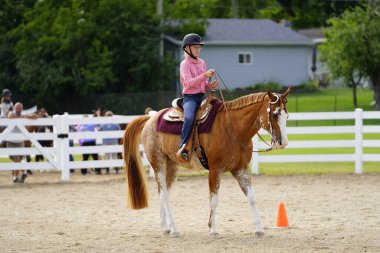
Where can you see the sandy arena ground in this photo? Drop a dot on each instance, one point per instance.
(326, 213)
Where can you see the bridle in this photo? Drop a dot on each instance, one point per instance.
(282, 100)
(268, 110)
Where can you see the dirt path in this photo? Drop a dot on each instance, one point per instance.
(328, 213)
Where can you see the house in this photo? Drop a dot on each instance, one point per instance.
(319, 69)
(249, 51)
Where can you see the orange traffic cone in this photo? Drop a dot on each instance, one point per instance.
(282, 219)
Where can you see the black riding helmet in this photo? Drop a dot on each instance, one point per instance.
(6, 92)
(191, 39)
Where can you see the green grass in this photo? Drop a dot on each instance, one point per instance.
(344, 136)
(310, 151)
(315, 168)
(337, 137)
(330, 100)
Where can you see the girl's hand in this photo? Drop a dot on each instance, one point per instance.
(210, 72)
(215, 84)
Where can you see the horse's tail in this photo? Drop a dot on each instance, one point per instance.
(134, 169)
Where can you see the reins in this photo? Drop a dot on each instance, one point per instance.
(232, 126)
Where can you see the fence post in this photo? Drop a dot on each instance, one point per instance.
(57, 141)
(358, 140)
(65, 166)
(62, 144)
(255, 156)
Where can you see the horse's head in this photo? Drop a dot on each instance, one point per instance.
(276, 116)
(42, 113)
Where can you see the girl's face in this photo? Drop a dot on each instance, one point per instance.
(196, 50)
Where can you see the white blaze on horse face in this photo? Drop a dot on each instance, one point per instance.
(277, 110)
(282, 124)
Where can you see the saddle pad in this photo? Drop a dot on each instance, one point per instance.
(176, 127)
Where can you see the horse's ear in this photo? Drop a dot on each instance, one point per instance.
(286, 93)
(272, 97)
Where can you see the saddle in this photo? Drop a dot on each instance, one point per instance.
(176, 114)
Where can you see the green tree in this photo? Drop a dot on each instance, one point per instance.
(11, 16)
(302, 13)
(54, 49)
(89, 47)
(313, 13)
(195, 9)
(352, 50)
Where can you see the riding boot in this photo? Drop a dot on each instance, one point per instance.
(182, 155)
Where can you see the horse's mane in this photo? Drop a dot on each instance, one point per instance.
(244, 101)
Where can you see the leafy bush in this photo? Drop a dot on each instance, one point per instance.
(307, 86)
(268, 86)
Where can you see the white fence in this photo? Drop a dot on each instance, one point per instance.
(358, 129)
(58, 155)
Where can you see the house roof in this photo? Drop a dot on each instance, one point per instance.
(313, 33)
(250, 32)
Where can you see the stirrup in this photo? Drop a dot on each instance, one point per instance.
(202, 157)
(182, 155)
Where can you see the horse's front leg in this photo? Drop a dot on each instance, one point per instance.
(214, 183)
(163, 222)
(244, 181)
(167, 220)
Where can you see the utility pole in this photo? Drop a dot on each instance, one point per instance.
(235, 8)
(159, 13)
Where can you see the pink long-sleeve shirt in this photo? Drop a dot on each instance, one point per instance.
(192, 76)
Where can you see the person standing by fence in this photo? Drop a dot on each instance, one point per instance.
(6, 107)
(18, 176)
(110, 141)
(6, 103)
(88, 142)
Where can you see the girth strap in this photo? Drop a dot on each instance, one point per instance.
(199, 150)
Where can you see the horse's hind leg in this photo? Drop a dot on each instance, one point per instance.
(165, 177)
(245, 184)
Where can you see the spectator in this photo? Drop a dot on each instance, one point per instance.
(100, 112)
(110, 141)
(6, 107)
(88, 142)
(18, 176)
(71, 144)
(6, 103)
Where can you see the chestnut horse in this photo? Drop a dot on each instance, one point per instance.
(228, 146)
(41, 113)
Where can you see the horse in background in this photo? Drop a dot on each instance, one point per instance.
(41, 113)
(228, 146)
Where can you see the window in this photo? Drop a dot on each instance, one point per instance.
(245, 58)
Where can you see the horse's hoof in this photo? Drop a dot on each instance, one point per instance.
(215, 235)
(174, 235)
(166, 232)
(259, 233)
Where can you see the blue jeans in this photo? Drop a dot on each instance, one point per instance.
(191, 103)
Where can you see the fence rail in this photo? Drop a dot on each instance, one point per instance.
(58, 155)
(358, 143)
